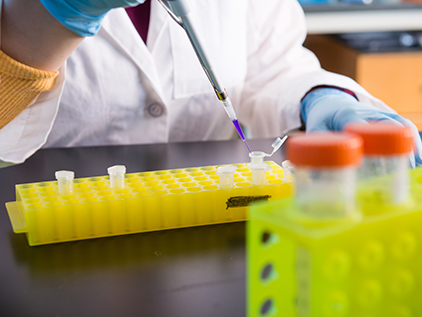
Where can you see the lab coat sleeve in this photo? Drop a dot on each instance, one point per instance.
(28, 132)
(281, 71)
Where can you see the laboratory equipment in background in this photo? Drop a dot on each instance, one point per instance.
(382, 41)
(179, 11)
(385, 63)
(384, 174)
(316, 255)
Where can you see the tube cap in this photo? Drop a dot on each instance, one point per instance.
(116, 169)
(66, 175)
(383, 138)
(227, 169)
(332, 149)
(257, 156)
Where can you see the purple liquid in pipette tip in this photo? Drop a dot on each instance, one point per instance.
(239, 130)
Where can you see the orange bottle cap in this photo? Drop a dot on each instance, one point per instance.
(383, 138)
(332, 149)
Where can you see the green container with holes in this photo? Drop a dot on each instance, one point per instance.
(368, 265)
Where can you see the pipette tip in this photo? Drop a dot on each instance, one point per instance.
(242, 136)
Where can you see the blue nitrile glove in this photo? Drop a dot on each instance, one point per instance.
(84, 16)
(332, 109)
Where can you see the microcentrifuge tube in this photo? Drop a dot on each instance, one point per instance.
(226, 176)
(259, 173)
(65, 182)
(117, 176)
(288, 169)
(258, 156)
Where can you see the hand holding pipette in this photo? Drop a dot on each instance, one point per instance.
(179, 11)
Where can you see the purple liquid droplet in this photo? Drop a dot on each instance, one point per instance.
(239, 130)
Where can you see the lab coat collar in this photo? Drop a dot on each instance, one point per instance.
(119, 27)
(158, 23)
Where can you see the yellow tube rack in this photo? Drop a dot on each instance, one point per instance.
(150, 201)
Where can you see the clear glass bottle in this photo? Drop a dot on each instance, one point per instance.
(384, 174)
(325, 173)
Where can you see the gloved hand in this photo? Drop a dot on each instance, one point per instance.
(84, 16)
(332, 109)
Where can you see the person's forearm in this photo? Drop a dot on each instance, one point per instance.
(32, 36)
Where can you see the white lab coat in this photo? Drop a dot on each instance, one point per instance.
(114, 89)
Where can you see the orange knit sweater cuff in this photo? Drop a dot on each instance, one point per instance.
(20, 85)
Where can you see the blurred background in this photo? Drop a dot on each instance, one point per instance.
(378, 43)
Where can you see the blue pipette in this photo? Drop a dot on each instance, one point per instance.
(179, 11)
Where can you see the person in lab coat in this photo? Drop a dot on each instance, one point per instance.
(102, 85)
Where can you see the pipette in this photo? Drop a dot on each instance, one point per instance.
(179, 11)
